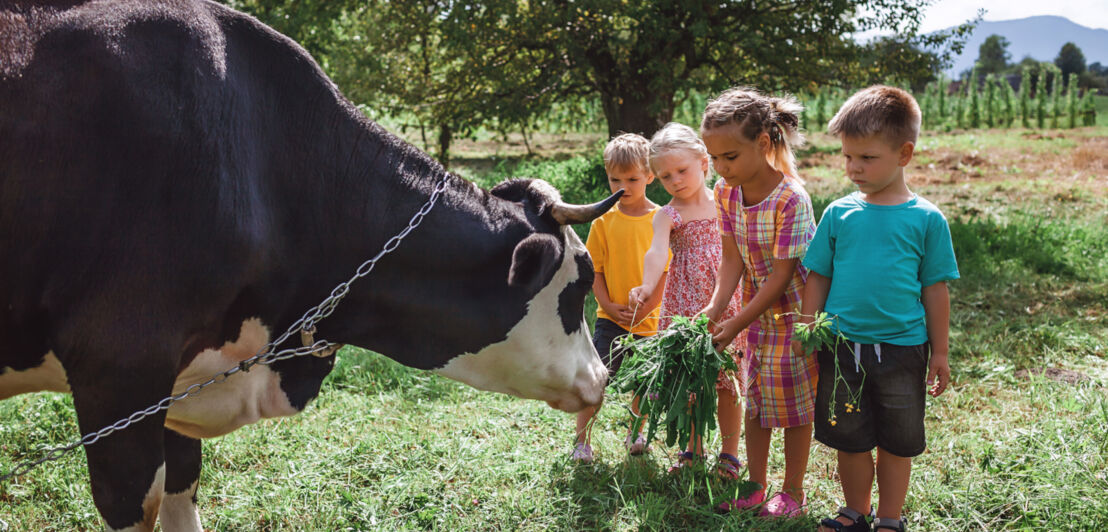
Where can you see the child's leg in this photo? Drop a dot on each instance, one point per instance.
(893, 474)
(696, 443)
(584, 423)
(730, 421)
(638, 414)
(798, 442)
(856, 476)
(757, 449)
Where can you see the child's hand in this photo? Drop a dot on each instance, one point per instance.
(727, 331)
(639, 296)
(938, 374)
(713, 318)
(798, 349)
(624, 315)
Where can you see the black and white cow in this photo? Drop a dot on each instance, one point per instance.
(179, 183)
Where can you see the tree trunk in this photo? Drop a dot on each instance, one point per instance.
(637, 110)
(444, 145)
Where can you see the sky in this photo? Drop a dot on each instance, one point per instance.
(945, 13)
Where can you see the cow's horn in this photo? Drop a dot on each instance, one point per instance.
(567, 214)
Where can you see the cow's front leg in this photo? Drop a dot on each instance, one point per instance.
(126, 468)
(182, 476)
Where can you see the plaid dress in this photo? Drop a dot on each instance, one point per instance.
(692, 279)
(780, 389)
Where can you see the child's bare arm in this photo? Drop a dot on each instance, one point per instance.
(783, 271)
(654, 264)
(619, 313)
(936, 306)
(731, 270)
(815, 296)
(648, 306)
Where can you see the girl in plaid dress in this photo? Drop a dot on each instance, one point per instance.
(687, 225)
(766, 221)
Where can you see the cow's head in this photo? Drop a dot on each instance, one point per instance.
(548, 354)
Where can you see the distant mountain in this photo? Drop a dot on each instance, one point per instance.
(1040, 37)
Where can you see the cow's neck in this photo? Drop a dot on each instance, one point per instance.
(443, 290)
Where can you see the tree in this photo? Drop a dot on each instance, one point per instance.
(1070, 59)
(636, 56)
(992, 56)
(506, 61)
(398, 57)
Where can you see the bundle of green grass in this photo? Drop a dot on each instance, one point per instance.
(674, 374)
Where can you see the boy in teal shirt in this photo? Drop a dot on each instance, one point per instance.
(879, 263)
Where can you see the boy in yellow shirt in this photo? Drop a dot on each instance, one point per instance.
(617, 242)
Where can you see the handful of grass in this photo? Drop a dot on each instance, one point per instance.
(821, 334)
(674, 374)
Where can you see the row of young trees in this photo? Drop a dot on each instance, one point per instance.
(1040, 102)
(992, 102)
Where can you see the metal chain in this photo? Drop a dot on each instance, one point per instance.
(264, 356)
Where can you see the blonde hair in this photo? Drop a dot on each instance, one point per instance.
(674, 136)
(880, 109)
(629, 150)
(756, 113)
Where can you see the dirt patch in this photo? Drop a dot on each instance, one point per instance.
(1066, 376)
(1039, 136)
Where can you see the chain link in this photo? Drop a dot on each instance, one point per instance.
(264, 356)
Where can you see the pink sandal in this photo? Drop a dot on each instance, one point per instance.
(744, 503)
(784, 505)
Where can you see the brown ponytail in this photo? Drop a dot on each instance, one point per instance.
(755, 113)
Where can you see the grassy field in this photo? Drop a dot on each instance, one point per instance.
(1018, 443)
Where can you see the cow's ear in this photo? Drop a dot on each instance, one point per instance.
(533, 260)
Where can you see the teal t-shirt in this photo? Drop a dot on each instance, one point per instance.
(879, 259)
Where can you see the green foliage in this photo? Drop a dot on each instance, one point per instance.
(992, 57)
(1088, 107)
(1041, 100)
(1070, 60)
(973, 112)
(450, 68)
(1072, 101)
(1025, 98)
(1030, 242)
(1009, 102)
(673, 374)
(991, 101)
(822, 334)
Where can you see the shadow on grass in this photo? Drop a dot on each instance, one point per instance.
(638, 494)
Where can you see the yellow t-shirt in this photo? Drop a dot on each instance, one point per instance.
(617, 243)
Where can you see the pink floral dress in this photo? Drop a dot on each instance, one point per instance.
(697, 252)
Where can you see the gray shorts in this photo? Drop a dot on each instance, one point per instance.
(604, 338)
(889, 413)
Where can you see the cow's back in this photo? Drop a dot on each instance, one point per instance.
(133, 161)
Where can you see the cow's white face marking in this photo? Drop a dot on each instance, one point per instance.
(46, 377)
(244, 398)
(179, 512)
(538, 360)
(150, 505)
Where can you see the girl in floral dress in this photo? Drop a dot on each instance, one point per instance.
(689, 226)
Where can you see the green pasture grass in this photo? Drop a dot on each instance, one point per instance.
(388, 448)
